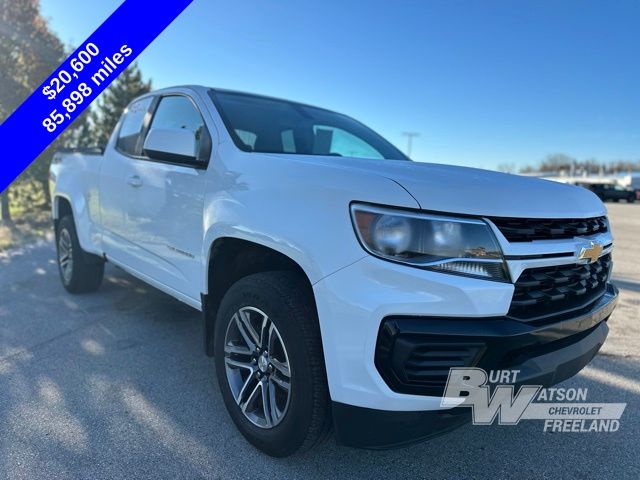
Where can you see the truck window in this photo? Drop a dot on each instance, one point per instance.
(178, 111)
(335, 141)
(131, 126)
(248, 138)
(281, 126)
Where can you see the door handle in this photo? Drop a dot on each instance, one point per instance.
(135, 181)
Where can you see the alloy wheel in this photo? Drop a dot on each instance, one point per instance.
(257, 367)
(65, 255)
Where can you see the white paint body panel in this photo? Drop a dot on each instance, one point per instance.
(162, 229)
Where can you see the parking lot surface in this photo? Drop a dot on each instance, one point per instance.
(115, 384)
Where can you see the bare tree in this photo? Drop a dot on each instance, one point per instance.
(560, 162)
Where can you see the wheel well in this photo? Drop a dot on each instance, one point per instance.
(62, 209)
(232, 259)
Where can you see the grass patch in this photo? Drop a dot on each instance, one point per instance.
(30, 212)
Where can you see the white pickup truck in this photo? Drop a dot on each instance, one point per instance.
(339, 280)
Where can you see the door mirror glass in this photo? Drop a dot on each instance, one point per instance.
(171, 145)
(184, 136)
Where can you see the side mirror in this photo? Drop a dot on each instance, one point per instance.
(171, 145)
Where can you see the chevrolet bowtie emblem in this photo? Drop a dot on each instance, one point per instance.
(591, 253)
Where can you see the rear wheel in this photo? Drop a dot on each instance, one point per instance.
(80, 271)
(269, 363)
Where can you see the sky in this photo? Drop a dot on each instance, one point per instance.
(484, 82)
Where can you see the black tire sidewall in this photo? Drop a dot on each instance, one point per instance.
(259, 291)
(86, 273)
(66, 223)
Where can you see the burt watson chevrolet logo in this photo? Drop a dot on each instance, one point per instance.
(591, 253)
(562, 409)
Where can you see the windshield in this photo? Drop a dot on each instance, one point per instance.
(261, 124)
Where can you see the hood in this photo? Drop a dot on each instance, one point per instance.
(472, 191)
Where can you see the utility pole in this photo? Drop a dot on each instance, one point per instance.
(410, 136)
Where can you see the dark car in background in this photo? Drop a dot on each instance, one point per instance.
(611, 191)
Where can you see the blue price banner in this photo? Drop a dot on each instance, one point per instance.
(79, 80)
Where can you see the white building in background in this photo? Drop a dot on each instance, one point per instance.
(631, 180)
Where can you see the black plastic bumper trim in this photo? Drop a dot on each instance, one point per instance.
(381, 429)
(547, 353)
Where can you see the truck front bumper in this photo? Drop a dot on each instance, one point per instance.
(371, 332)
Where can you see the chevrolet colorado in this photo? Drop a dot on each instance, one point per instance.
(339, 280)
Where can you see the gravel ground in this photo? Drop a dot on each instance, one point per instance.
(115, 384)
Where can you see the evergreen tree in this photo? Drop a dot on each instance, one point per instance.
(83, 133)
(113, 101)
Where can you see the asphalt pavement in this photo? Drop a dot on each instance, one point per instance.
(115, 384)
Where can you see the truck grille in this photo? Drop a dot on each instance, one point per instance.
(552, 291)
(528, 229)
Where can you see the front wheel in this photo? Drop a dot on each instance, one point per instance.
(270, 365)
(80, 272)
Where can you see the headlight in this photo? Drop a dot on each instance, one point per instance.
(463, 246)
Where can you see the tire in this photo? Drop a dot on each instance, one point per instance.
(80, 272)
(301, 417)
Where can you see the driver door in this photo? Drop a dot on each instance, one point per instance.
(165, 220)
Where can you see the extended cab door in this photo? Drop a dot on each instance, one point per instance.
(164, 204)
(116, 178)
